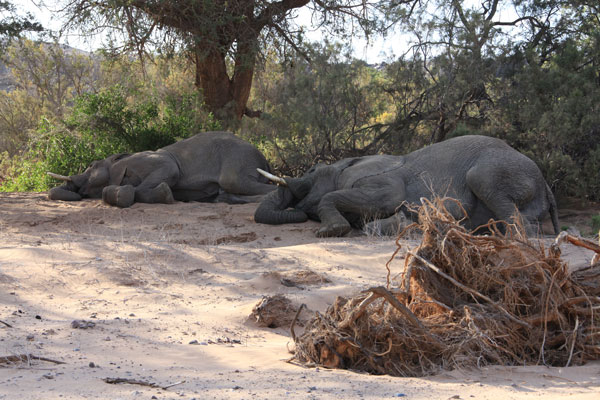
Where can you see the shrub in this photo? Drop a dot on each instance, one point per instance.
(595, 223)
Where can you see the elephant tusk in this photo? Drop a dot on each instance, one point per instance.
(276, 179)
(59, 177)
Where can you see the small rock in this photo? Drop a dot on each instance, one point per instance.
(92, 365)
(38, 317)
(48, 376)
(82, 324)
(30, 337)
(194, 342)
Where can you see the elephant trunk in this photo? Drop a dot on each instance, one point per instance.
(68, 191)
(65, 192)
(273, 209)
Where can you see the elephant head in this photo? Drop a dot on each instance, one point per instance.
(296, 199)
(88, 184)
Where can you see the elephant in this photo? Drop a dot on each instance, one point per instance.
(207, 167)
(490, 179)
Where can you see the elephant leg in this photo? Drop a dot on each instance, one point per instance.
(229, 198)
(364, 203)
(204, 190)
(500, 198)
(249, 185)
(159, 194)
(120, 196)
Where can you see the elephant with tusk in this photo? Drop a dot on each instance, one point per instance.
(490, 179)
(210, 166)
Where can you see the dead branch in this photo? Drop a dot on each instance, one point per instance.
(463, 300)
(26, 358)
(115, 381)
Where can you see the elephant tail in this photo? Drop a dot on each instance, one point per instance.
(553, 209)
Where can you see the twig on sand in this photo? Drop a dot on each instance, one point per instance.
(26, 358)
(115, 381)
(5, 323)
(294, 321)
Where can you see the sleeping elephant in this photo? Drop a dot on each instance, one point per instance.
(210, 166)
(489, 178)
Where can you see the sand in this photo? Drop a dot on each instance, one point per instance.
(162, 294)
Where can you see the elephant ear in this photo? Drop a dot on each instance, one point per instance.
(117, 178)
(299, 187)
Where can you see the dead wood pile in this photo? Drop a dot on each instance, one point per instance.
(463, 300)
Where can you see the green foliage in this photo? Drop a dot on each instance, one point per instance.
(319, 111)
(100, 125)
(139, 124)
(13, 25)
(24, 176)
(68, 154)
(108, 114)
(57, 150)
(595, 224)
(548, 113)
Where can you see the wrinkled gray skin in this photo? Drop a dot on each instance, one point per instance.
(488, 177)
(210, 166)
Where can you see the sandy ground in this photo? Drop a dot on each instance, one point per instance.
(162, 294)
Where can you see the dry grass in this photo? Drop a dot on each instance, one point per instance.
(463, 300)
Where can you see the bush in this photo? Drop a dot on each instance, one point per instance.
(317, 112)
(102, 124)
(138, 122)
(595, 223)
(53, 149)
(23, 175)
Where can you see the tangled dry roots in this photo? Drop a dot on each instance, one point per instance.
(463, 300)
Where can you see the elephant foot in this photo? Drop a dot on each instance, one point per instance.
(164, 193)
(120, 196)
(334, 230)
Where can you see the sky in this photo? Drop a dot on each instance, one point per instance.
(375, 51)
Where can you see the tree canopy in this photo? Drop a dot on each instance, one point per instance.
(13, 25)
(223, 37)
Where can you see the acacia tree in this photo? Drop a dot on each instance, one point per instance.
(222, 37)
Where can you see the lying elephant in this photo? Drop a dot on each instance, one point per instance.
(210, 166)
(489, 178)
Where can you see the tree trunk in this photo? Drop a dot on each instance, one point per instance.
(225, 97)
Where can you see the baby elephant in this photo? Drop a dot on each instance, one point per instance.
(210, 166)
